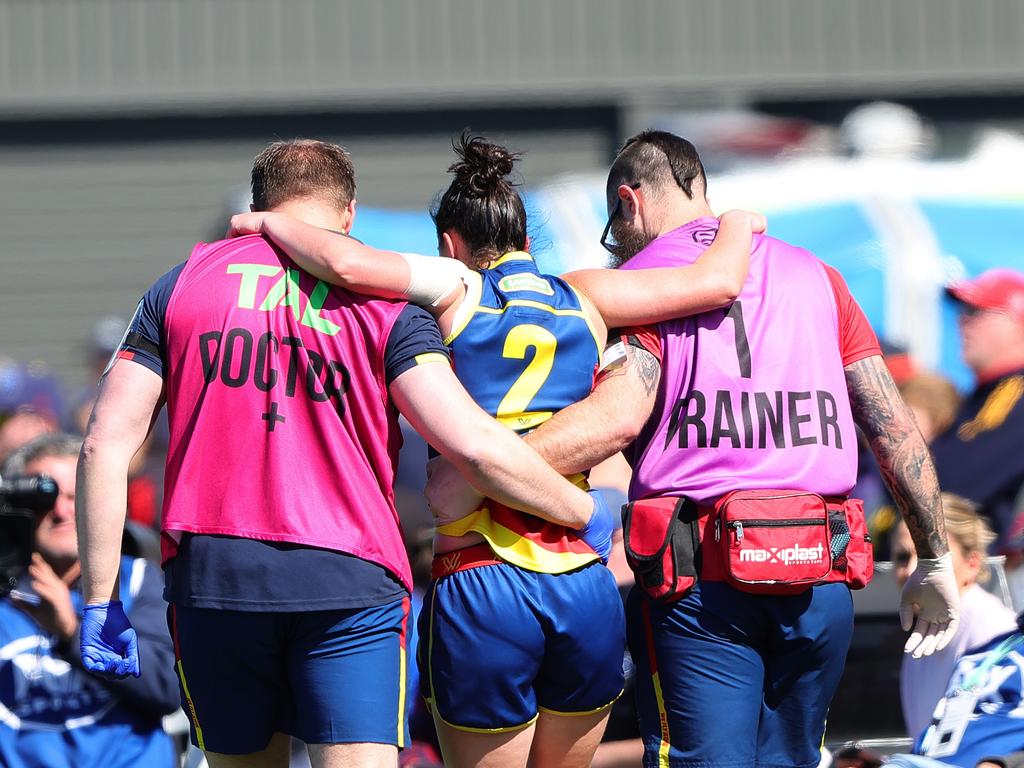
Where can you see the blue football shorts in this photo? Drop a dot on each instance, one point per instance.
(326, 677)
(499, 643)
(728, 678)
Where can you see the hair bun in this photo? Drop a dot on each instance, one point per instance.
(483, 167)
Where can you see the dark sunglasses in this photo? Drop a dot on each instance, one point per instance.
(969, 310)
(610, 247)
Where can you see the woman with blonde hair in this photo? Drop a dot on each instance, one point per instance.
(983, 616)
(934, 400)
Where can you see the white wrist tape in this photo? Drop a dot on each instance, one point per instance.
(614, 356)
(432, 278)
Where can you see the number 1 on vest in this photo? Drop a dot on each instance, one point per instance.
(735, 312)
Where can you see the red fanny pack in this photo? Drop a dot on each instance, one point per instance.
(781, 542)
(662, 539)
(769, 542)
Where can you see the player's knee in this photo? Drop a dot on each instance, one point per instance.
(352, 755)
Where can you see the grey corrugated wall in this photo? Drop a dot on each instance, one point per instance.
(61, 55)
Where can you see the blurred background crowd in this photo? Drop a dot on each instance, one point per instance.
(886, 137)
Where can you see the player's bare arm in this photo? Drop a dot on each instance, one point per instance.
(645, 296)
(336, 258)
(130, 398)
(620, 297)
(572, 440)
(491, 457)
(902, 454)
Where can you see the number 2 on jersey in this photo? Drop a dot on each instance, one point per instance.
(512, 408)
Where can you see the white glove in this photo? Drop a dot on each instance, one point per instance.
(931, 594)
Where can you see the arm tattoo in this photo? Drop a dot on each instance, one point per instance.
(639, 363)
(902, 454)
(648, 369)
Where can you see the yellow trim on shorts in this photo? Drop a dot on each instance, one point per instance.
(602, 708)
(665, 736)
(191, 707)
(401, 693)
(471, 729)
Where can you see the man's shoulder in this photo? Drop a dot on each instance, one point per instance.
(1000, 401)
(254, 247)
(262, 273)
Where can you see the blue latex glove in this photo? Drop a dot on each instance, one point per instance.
(110, 646)
(597, 533)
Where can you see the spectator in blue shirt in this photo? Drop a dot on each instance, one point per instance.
(52, 712)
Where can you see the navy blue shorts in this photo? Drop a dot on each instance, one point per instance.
(730, 679)
(499, 643)
(326, 677)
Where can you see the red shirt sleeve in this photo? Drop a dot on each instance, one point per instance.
(857, 340)
(643, 336)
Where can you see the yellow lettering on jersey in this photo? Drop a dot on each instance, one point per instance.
(251, 274)
(286, 292)
(312, 318)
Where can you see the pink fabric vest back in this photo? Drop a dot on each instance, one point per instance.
(280, 424)
(752, 397)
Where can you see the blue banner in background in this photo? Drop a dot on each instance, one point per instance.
(406, 231)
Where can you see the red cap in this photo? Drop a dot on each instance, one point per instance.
(899, 362)
(1000, 289)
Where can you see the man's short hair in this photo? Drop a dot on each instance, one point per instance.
(658, 160)
(302, 168)
(59, 444)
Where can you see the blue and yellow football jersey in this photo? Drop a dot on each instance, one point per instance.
(524, 348)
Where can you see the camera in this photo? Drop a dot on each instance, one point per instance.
(20, 499)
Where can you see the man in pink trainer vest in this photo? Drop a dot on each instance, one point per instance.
(287, 578)
(739, 668)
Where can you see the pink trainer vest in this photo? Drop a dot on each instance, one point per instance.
(280, 424)
(753, 396)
